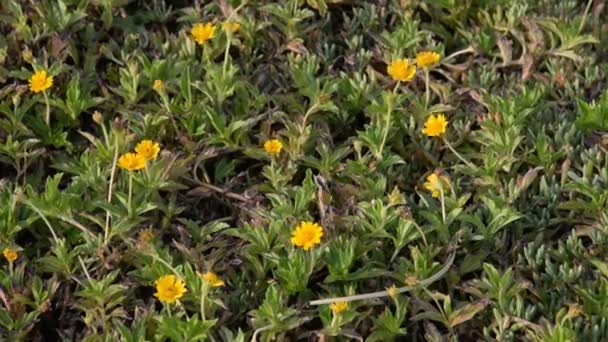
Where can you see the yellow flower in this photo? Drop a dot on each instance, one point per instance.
(338, 307)
(40, 81)
(411, 280)
(158, 85)
(212, 279)
(148, 149)
(401, 70)
(273, 146)
(396, 197)
(231, 26)
(10, 254)
(435, 125)
(132, 161)
(427, 59)
(169, 288)
(393, 291)
(436, 183)
(202, 32)
(307, 235)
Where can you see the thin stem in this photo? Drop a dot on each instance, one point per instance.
(442, 202)
(379, 294)
(204, 291)
(77, 225)
(229, 40)
(47, 117)
(468, 163)
(235, 11)
(226, 52)
(387, 128)
(257, 331)
(106, 234)
(439, 307)
(469, 49)
(165, 100)
(46, 221)
(84, 268)
(303, 125)
(427, 93)
(162, 261)
(334, 318)
(167, 310)
(421, 232)
(308, 113)
(129, 210)
(582, 25)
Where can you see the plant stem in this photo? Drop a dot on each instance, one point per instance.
(582, 25)
(106, 234)
(468, 163)
(154, 255)
(46, 221)
(47, 116)
(387, 128)
(427, 93)
(204, 291)
(226, 52)
(379, 294)
(129, 209)
(442, 202)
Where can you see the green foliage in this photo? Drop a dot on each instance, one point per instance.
(594, 115)
(518, 207)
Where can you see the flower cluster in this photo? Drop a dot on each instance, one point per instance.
(145, 151)
(402, 70)
(204, 32)
(170, 288)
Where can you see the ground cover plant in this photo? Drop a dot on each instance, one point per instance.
(303, 170)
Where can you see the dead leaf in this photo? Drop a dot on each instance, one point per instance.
(467, 312)
(57, 45)
(297, 47)
(524, 182)
(527, 66)
(506, 50)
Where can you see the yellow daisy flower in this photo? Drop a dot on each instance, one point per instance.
(436, 183)
(40, 81)
(202, 32)
(212, 279)
(169, 288)
(10, 254)
(338, 307)
(231, 26)
(148, 149)
(158, 85)
(435, 125)
(131, 161)
(307, 235)
(401, 70)
(273, 146)
(427, 59)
